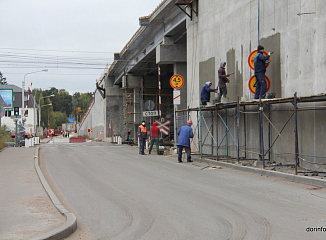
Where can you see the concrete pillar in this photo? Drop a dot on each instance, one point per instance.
(114, 106)
(176, 54)
(181, 69)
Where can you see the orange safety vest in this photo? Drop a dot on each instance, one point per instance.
(142, 128)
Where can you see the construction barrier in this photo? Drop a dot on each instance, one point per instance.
(77, 139)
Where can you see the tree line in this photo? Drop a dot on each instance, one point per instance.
(57, 104)
(63, 105)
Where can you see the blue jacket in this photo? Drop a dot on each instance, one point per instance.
(185, 133)
(205, 94)
(259, 63)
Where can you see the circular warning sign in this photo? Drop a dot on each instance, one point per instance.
(252, 84)
(176, 81)
(252, 57)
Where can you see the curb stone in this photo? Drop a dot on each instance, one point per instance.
(269, 173)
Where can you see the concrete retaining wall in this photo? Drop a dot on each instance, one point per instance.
(95, 119)
(295, 32)
(229, 32)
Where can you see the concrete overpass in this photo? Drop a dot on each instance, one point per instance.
(133, 79)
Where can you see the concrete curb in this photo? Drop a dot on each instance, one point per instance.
(71, 221)
(269, 173)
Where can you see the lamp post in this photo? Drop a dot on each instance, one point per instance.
(39, 111)
(39, 120)
(23, 90)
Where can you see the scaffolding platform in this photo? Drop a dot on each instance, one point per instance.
(210, 119)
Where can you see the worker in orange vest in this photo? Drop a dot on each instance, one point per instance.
(142, 135)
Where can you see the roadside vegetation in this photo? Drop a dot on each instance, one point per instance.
(4, 137)
(61, 105)
(2, 144)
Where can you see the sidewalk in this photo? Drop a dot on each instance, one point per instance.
(26, 210)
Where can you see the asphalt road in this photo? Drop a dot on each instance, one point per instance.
(118, 194)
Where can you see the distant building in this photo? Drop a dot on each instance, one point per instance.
(31, 117)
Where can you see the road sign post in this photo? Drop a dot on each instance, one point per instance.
(177, 81)
(252, 84)
(89, 130)
(2, 113)
(150, 113)
(251, 59)
(176, 97)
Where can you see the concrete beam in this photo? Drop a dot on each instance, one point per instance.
(171, 53)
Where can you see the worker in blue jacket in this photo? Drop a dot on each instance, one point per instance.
(260, 70)
(185, 133)
(205, 93)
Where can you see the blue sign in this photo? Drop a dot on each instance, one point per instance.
(6, 99)
(71, 120)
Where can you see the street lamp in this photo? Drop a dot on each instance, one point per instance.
(23, 90)
(39, 113)
(39, 120)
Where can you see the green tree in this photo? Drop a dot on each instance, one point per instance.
(75, 100)
(62, 102)
(63, 105)
(80, 103)
(84, 101)
(60, 118)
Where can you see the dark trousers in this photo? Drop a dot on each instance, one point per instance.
(188, 152)
(142, 144)
(222, 91)
(261, 85)
(157, 145)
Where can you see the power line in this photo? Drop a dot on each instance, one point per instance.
(81, 74)
(41, 56)
(53, 62)
(48, 50)
(54, 67)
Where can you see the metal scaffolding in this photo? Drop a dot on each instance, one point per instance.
(134, 105)
(222, 130)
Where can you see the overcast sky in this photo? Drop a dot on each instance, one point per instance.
(73, 39)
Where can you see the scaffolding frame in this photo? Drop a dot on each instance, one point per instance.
(241, 111)
(131, 99)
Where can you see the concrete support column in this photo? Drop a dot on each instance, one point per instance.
(114, 106)
(181, 69)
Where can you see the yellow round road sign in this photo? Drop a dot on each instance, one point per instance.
(176, 81)
(252, 57)
(252, 84)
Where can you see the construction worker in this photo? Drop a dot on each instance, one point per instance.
(142, 135)
(205, 94)
(222, 81)
(260, 70)
(155, 131)
(185, 133)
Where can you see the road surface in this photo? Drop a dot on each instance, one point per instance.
(118, 194)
